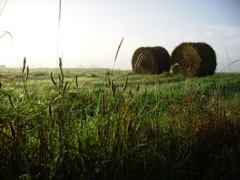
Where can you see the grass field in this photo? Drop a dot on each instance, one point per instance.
(99, 124)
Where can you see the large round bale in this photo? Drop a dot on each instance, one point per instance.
(150, 60)
(194, 59)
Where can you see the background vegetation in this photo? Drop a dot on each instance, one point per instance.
(72, 124)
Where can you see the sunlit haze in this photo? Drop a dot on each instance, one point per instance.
(91, 30)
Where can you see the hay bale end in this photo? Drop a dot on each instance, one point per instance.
(150, 60)
(193, 59)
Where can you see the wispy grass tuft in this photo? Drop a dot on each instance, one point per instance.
(5, 33)
(230, 64)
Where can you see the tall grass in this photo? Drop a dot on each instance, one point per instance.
(162, 126)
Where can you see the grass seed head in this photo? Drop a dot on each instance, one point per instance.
(27, 71)
(117, 53)
(24, 65)
(60, 63)
(76, 81)
(62, 74)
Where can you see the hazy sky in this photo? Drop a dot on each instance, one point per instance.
(91, 30)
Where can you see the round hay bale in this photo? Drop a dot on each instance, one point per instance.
(150, 60)
(194, 59)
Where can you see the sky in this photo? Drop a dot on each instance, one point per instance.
(89, 31)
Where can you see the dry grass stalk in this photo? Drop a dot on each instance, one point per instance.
(230, 64)
(24, 65)
(125, 84)
(3, 7)
(59, 22)
(52, 79)
(59, 17)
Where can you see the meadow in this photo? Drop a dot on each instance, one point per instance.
(104, 124)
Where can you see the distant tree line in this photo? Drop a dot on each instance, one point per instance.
(2, 67)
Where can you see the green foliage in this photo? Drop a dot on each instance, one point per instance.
(109, 127)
